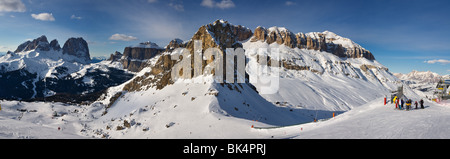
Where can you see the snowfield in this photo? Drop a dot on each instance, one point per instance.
(377, 121)
(370, 121)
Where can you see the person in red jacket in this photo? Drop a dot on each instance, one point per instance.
(416, 104)
(396, 104)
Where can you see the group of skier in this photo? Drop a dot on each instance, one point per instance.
(402, 104)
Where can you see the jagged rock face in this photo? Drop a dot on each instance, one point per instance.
(40, 43)
(219, 34)
(115, 57)
(135, 57)
(273, 35)
(55, 45)
(77, 47)
(140, 53)
(175, 43)
(222, 35)
(260, 34)
(311, 41)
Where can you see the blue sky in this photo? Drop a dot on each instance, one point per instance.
(404, 35)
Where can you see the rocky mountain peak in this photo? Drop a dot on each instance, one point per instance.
(40, 44)
(135, 56)
(420, 77)
(146, 44)
(77, 47)
(55, 45)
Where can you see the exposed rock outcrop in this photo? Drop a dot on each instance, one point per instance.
(135, 57)
(40, 43)
(175, 43)
(115, 57)
(55, 45)
(219, 34)
(77, 47)
(326, 41)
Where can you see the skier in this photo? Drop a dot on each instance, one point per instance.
(421, 104)
(397, 104)
(408, 104)
(402, 104)
(416, 104)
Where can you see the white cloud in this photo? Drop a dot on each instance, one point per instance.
(442, 61)
(208, 3)
(152, 1)
(122, 37)
(75, 17)
(4, 49)
(177, 6)
(43, 16)
(289, 3)
(224, 4)
(12, 6)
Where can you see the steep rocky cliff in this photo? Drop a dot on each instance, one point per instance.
(135, 57)
(77, 47)
(220, 34)
(325, 41)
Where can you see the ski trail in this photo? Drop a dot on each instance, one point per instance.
(34, 85)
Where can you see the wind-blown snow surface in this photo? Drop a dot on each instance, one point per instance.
(36, 120)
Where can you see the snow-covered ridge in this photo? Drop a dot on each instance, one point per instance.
(40, 57)
(331, 37)
(324, 41)
(420, 77)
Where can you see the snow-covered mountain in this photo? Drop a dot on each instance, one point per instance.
(421, 77)
(39, 69)
(423, 83)
(313, 83)
(319, 73)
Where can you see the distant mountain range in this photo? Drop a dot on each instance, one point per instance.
(421, 77)
(39, 70)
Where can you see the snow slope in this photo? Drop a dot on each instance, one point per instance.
(192, 110)
(42, 63)
(330, 83)
(423, 83)
(370, 121)
(37, 120)
(376, 121)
